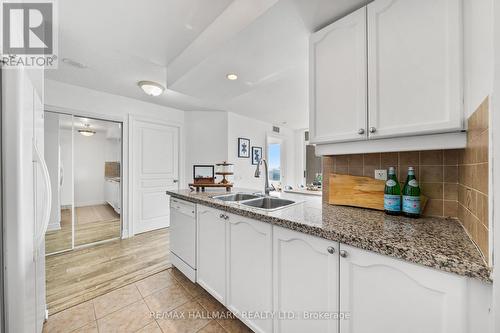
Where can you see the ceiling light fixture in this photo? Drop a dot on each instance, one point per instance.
(86, 131)
(74, 63)
(151, 88)
(232, 76)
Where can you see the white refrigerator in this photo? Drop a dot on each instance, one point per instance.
(26, 200)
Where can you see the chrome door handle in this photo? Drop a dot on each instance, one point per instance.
(373, 129)
(175, 181)
(343, 253)
(330, 249)
(361, 131)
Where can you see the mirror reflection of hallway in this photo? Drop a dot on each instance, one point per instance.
(85, 169)
(97, 180)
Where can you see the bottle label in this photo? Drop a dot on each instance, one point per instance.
(413, 183)
(411, 204)
(392, 202)
(391, 183)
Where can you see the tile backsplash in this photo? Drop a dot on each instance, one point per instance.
(473, 179)
(436, 171)
(111, 169)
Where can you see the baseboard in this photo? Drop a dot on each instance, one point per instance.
(89, 203)
(54, 226)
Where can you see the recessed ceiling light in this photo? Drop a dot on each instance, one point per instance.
(86, 131)
(151, 88)
(74, 63)
(232, 76)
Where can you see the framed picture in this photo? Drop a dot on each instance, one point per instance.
(203, 174)
(256, 155)
(243, 147)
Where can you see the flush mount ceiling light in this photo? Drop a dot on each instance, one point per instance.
(74, 63)
(151, 88)
(232, 76)
(86, 131)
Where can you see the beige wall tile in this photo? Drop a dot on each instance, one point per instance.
(431, 174)
(432, 190)
(434, 208)
(431, 157)
(450, 174)
(450, 192)
(450, 208)
(451, 156)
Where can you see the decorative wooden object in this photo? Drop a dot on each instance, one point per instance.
(357, 191)
(224, 169)
(203, 186)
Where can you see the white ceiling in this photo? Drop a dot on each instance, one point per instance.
(190, 46)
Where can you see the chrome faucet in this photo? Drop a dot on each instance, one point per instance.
(267, 188)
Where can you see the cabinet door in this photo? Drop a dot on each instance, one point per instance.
(386, 295)
(211, 258)
(249, 249)
(305, 282)
(414, 67)
(338, 94)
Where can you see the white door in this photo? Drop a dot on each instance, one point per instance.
(156, 170)
(211, 251)
(305, 282)
(414, 67)
(338, 80)
(385, 295)
(249, 252)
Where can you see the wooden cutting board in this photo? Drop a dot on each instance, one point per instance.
(356, 191)
(362, 192)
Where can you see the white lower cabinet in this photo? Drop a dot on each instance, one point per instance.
(211, 252)
(386, 295)
(249, 278)
(305, 282)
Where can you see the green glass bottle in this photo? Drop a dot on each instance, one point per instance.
(411, 195)
(392, 193)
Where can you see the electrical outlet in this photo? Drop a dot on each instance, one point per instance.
(381, 174)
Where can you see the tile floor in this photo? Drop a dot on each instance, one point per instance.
(178, 304)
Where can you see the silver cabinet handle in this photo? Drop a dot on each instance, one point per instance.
(373, 129)
(175, 180)
(343, 253)
(226, 217)
(361, 131)
(221, 216)
(330, 249)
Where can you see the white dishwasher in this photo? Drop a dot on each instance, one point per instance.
(183, 236)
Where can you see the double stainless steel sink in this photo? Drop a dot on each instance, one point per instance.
(255, 200)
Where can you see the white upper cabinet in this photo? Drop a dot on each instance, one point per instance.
(386, 295)
(338, 80)
(390, 69)
(414, 67)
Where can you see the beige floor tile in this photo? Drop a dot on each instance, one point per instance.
(234, 326)
(212, 327)
(187, 318)
(154, 283)
(214, 307)
(70, 319)
(116, 300)
(167, 299)
(89, 328)
(129, 319)
(150, 328)
(193, 289)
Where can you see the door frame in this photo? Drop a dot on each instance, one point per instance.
(132, 120)
(125, 221)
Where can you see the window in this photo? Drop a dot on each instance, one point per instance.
(274, 151)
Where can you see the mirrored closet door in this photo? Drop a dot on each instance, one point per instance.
(58, 151)
(84, 160)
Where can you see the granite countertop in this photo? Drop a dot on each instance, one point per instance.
(434, 242)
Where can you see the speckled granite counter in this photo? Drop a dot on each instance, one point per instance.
(434, 242)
